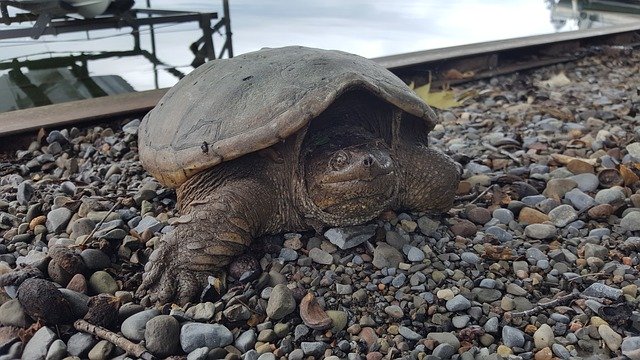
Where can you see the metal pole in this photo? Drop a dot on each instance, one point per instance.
(227, 28)
(153, 47)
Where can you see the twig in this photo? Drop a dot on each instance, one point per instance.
(502, 151)
(549, 304)
(482, 194)
(101, 221)
(120, 341)
(585, 275)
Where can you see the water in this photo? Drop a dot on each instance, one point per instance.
(370, 28)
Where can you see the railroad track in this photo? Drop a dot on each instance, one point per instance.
(451, 65)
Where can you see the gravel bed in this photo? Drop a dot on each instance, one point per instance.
(537, 260)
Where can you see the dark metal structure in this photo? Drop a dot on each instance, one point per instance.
(203, 48)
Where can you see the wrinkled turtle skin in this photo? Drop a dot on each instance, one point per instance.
(285, 139)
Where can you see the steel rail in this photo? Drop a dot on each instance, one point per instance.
(482, 60)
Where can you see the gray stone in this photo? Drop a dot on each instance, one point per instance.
(78, 302)
(148, 223)
(560, 351)
(579, 200)
(12, 314)
(586, 182)
(95, 259)
(612, 339)
(445, 338)
(562, 215)
(300, 331)
(102, 282)
(413, 253)
(236, 312)
(444, 351)
(460, 321)
(470, 258)
(543, 337)
(600, 290)
(133, 328)
(197, 335)
(201, 311)
(201, 353)
(595, 250)
(36, 348)
(458, 303)
(101, 350)
(57, 219)
(409, 334)
(25, 193)
(80, 344)
(611, 196)
(631, 347)
(281, 302)
(504, 216)
(512, 337)
(631, 221)
(540, 231)
(499, 233)
(634, 150)
(246, 341)
(427, 226)
(320, 256)
(344, 289)
(313, 348)
(162, 335)
(287, 254)
(296, 354)
(57, 350)
(385, 255)
(351, 236)
(487, 295)
(491, 326)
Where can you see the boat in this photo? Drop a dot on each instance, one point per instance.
(57, 8)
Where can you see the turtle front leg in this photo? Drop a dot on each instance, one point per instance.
(218, 229)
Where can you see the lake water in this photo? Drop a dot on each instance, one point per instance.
(370, 28)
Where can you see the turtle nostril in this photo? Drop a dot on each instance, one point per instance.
(368, 161)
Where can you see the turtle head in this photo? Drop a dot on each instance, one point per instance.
(349, 172)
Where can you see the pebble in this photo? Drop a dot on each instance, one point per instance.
(13, 314)
(37, 347)
(281, 302)
(631, 222)
(385, 256)
(57, 350)
(540, 231)
(134, 327)
(350, 237)
(162, 335)
(58, 219)
(562, 215)
(543, 337)
(101, 350)
(197, 335)
(612, 339)
(103, 282)
(320, 256)
(600, 290)
(512, 337)
(631, 347)
(80, 344)
(246, 340)
(458, 303)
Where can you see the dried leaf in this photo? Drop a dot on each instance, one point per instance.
(628, 175)
(455, 74)
(440, 100)
(498, 252)
(565, 159)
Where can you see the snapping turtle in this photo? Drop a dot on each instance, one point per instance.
(278, 140)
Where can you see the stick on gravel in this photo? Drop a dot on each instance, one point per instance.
(131, 348)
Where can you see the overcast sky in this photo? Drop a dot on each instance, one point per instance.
(370, 28)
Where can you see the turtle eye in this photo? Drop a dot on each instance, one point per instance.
(338, 160)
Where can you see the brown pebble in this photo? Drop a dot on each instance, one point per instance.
(479, 215)
(578, 166)
(544, 354)
(64, 264)
(78, 283)
(374, 355)
(368, 335)
(38, 220)
(600, 212)
(532, 216)
(635, 200)
(556, 188)
(464, 187)
(464, 228)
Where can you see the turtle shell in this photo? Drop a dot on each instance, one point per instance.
(228, 108)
